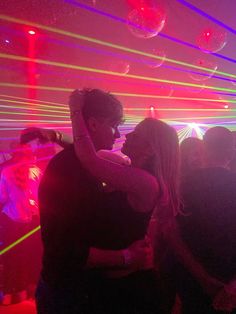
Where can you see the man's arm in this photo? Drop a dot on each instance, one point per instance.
(57, 137)
(138, 255)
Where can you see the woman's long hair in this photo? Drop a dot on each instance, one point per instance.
(164, 164)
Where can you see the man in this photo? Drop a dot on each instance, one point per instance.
(209, 228)
(69, 200)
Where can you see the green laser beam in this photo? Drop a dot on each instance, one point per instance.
(51, 88)
(107, 44)
(6, 249)
(100, 71)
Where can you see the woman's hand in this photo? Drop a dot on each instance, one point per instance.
(141, 255)
(75, 102)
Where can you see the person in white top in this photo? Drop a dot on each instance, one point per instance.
(18, 198)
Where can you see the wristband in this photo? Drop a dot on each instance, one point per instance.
(127, 257)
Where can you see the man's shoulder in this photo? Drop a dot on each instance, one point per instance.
(65, 159)
(67, 152)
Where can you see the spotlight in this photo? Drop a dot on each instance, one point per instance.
(31, 32)
(226, 106)
(192, 125)
(7, 41)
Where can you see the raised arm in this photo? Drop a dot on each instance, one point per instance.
(137, 182)
(57, 137)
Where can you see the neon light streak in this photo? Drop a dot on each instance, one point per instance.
(32, 104)
(9, 247)
(33, 114)
(125, 94)
(208, 16)
(204, 117)
(172, 97)
(55, 72)
(107, 44)
(100, 71)
(179, 109)
(133, 59)
(58, 89)
(41, 101)
(35, 121)
(124, 21)
(183, 133)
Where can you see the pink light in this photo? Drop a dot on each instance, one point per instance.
(152, 108)
(31, 32)
(226, 106)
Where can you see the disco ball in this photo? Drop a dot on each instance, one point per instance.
(146, 22)
(212, 40)
(202, 75)
(121, 67)
(153, 62)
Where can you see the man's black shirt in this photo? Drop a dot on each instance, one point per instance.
(68, 196)
(209, 228)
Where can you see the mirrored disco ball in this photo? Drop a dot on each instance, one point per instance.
(203, 75)
(119, 66)
(153, 62)
(146, 22)
(211, 40)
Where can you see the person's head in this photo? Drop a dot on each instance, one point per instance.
(154, 146)
(232, 164)
(191, 155)
(102, 113)
(219, 146)
(32, 137)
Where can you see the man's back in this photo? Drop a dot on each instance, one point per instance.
(67, 198)
(209, 229)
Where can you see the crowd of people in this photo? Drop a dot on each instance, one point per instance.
(121, 234)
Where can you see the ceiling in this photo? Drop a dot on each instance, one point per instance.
(88, 43)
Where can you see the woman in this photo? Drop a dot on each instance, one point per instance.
(149, 186)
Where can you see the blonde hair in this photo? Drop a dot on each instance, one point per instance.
(164, 164)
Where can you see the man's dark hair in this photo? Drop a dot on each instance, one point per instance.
(219, 142)
(98, 104)
(29, 134)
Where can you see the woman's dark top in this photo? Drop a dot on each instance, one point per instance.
(116, 225)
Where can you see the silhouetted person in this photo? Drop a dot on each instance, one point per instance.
(209, 228)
